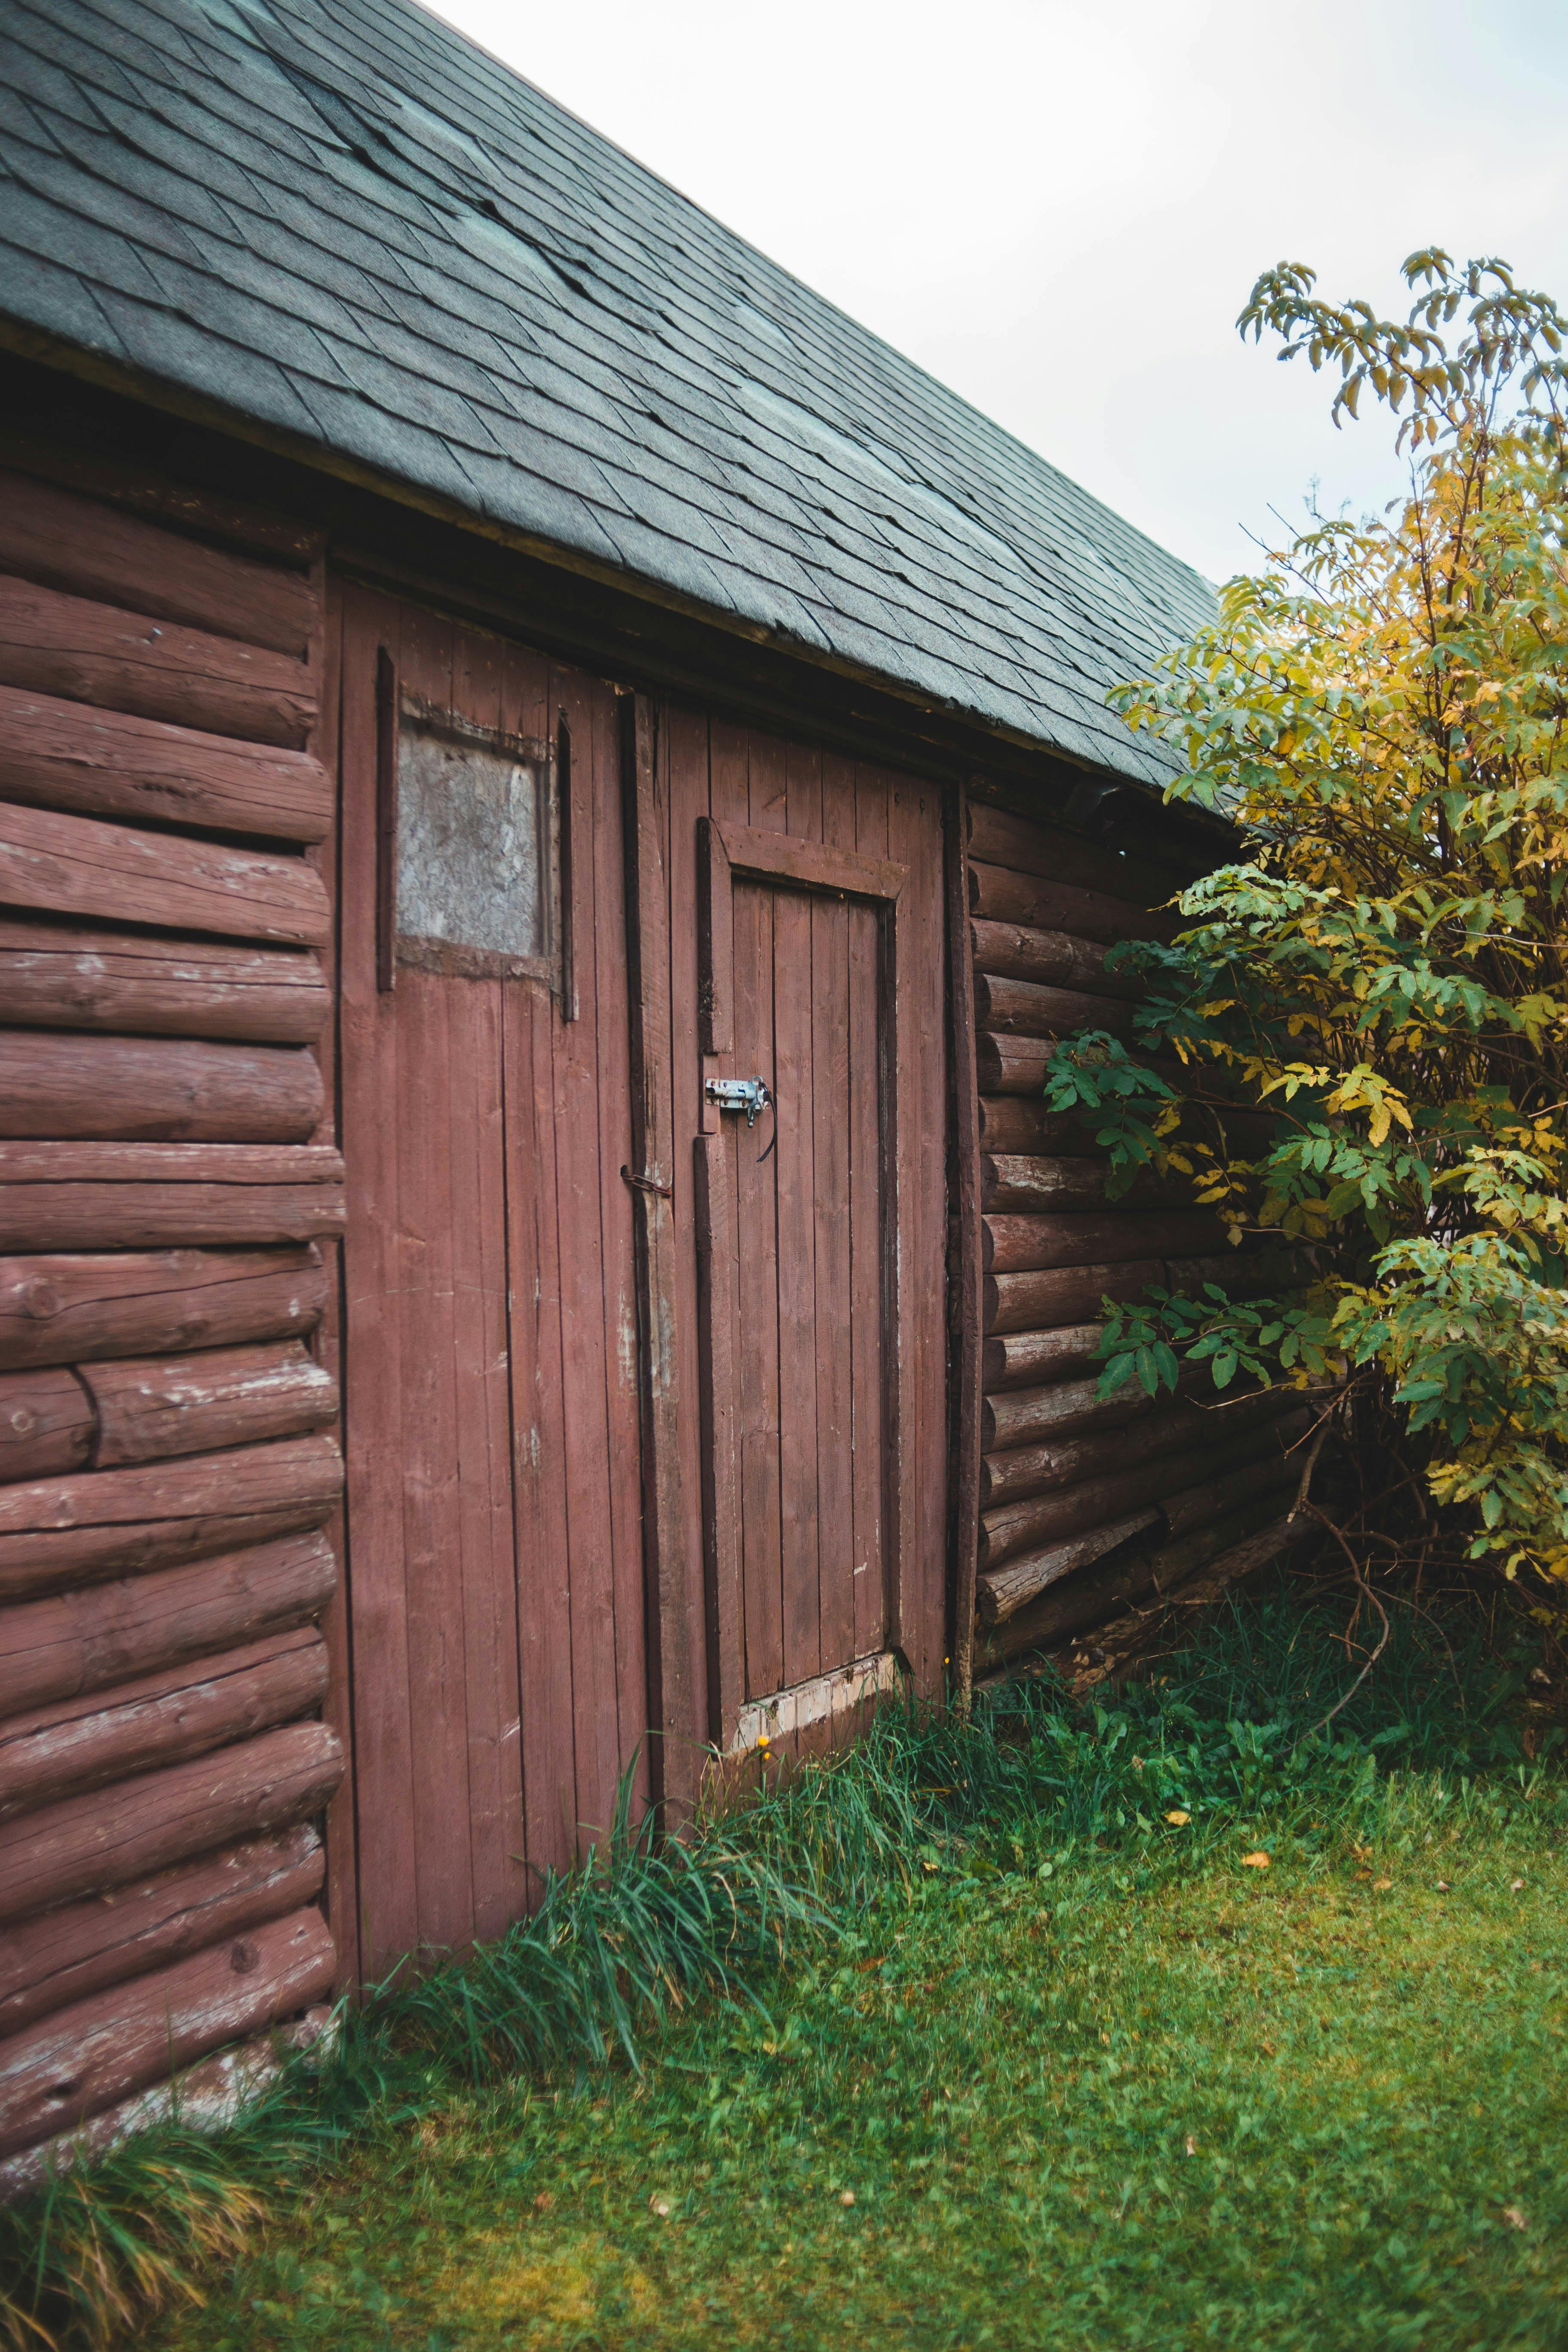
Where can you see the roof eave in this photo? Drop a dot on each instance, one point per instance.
(104, 372)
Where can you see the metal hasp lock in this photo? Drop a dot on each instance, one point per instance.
(749, 1095)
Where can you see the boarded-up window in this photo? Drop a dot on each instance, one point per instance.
(476, 886)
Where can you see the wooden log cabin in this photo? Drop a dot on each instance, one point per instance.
(554, 796)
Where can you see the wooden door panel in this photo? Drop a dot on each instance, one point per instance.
(796, 1220)
(867, 1372)
(836, 984)
(756, 1351)
(791, 1174)
(496, 1594)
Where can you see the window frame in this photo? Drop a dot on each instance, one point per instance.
(452, 957)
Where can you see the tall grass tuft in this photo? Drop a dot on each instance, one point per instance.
(643, 1929)
(1229, 1735)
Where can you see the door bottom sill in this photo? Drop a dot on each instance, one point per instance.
(823, 1699)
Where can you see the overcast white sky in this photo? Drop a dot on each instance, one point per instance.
(1058, 208)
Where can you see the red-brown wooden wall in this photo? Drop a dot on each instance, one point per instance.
(495, 1516)
(169, 1196)
(191, 1023)
(1072, 1505)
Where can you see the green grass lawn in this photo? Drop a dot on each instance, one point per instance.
(1299, 2107)
(1062, 2073)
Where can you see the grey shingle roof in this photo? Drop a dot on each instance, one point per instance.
(340, 220)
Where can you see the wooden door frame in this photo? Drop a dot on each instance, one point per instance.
(726, 852)
(966, 1285)
(672, 1608)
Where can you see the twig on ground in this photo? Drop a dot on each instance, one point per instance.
(1366, 1592)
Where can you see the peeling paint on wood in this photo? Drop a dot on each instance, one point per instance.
(824, 1699)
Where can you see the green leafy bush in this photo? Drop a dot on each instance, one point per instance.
(1383, 715)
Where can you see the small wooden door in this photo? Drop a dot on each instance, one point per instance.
(797, 1217)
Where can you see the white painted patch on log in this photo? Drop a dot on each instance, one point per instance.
(207, 2098)
(823, 1699)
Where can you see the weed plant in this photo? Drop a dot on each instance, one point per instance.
(1032, 1788)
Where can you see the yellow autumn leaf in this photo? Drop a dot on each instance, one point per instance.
(1179, 1818)
(1255, 1862)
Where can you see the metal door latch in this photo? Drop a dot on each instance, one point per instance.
(749, 1095)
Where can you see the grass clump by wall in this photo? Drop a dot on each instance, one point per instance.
(1143, 1791)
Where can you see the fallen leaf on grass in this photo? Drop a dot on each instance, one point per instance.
(659, 2205)
(1255, 1862)
(1179, 1818)
(1380, 1885)
(1515, 1885)
(543, 2201)
(1444, 1887)
(1511, 2213)
(847, 2197)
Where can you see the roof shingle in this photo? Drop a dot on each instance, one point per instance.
(340, 217)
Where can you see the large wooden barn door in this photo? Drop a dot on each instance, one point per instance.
(495, 1571)
(797, 1231)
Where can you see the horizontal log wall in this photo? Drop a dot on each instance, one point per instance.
(1078, 1503)
(168, 1209)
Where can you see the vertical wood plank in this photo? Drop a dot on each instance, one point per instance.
(483, 1457)
(429, 1436)
(925, 1010)
(386, 729)
(901, 1266)
(870, 1252)
(867, 1317)
(715, 946)
(482, 1392)
(540, 1534)
(831, 1112)
(930, 1012)
(966, 1281)
(683, 757)
(601, 775)
(756, 1187)
(757, 1184)
(673, 1596)
(565, 819)
(796, 987)
(427, 1442)
(585, 1434)
(383, 1757)
(543, 1551)
(729, 798)
(721, 1468)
